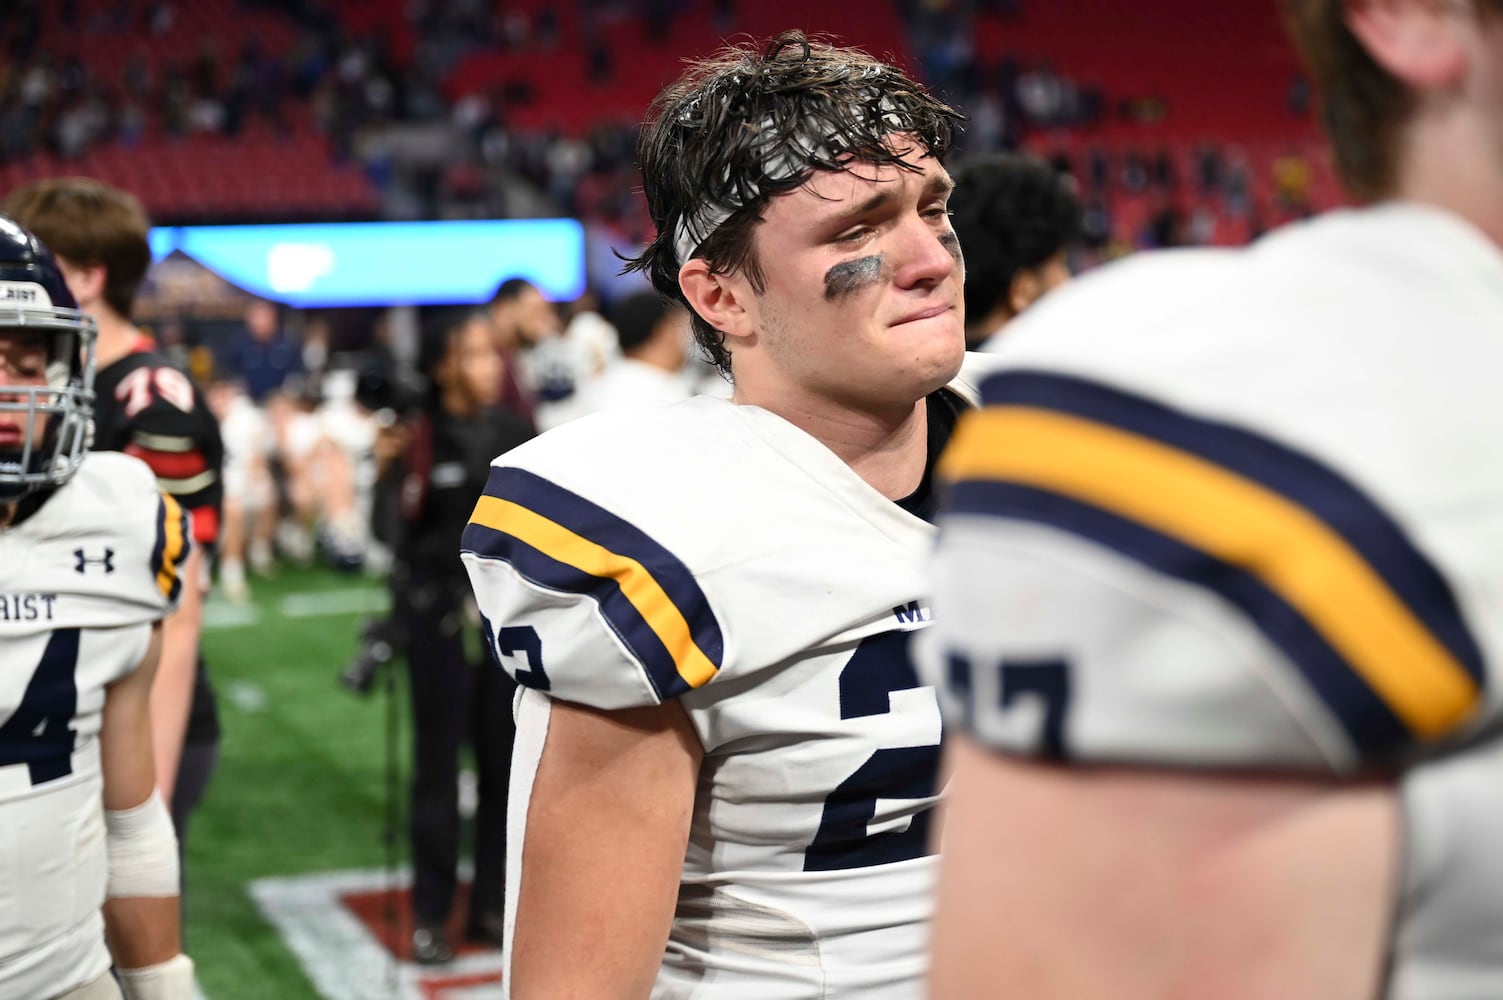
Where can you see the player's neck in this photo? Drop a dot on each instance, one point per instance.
(117, 336)
(7, 514)
(887, 448)
(1450, 162)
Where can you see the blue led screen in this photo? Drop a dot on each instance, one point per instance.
(329, 264)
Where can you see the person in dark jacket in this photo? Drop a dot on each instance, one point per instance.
(459, 695)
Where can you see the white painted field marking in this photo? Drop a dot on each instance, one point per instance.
(343, 959)
(319, 603)
(246, 696)
(221, 615)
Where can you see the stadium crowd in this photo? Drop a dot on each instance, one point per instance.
(351, 84)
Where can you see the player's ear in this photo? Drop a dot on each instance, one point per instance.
(719, 299)
(1421, 43)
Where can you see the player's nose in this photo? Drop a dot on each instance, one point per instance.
(924, 255)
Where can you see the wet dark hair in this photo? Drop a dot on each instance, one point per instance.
(1011, 212)
(753, 122)
(636, 317)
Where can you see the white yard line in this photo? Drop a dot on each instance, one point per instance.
(247, 697)
(220, 615)
(340, 956)
(320, 603)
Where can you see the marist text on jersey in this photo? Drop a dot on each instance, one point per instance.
(26, 607)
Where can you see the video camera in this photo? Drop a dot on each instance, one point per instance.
(386, 394)
(381, 640)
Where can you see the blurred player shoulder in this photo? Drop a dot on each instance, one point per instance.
(1325, 336)
(1254, 329)
(1234, 456)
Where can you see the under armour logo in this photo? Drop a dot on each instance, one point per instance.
(84, 562)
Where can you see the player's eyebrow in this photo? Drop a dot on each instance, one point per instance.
(936, 185)
(22, 343)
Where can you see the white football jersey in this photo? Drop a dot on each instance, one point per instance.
(628, 384)
(81, 582)
(247, 435)
(1244, 509)
(716, 554)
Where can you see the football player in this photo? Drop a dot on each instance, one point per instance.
(1017, 218)
(1219, 597)
(725, 767)
(90, 561)
(147, 407)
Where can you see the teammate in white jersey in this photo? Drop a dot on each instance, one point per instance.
(726, 764)
(1222, 580)
(89, 557)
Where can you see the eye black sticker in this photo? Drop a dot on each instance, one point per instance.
(851, 276)
(950, 242)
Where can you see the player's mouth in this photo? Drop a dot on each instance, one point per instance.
(10, 436)
(927, 313)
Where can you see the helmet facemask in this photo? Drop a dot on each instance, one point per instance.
(65, 404)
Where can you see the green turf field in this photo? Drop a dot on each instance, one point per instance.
(300, 782)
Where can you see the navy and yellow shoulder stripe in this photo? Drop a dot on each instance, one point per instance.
(563, 542)
(171, 548)
(1322, 570)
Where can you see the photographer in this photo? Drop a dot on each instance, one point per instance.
(458, 694)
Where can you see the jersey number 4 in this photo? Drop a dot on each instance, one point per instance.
(879, 667)
(39, 734)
